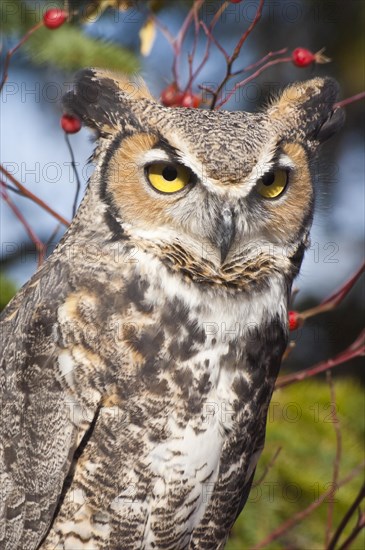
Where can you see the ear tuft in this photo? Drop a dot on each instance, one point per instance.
(308, 109)
(331, 125)
(103, 99)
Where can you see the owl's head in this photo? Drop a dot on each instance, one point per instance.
(223, 197)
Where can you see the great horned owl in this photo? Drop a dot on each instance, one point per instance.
(138, 363)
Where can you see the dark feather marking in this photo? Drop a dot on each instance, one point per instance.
(69, 478)
(265, 346)
(112, 213)
(162, 143)
(184, 379)
(135, 291)
(297, 258)
(115, 227)
(176, 315)
(331, 125)
(13, 512)
(242, 389)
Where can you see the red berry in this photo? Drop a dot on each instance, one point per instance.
(70, 124)
(54, 18)
(293, 317)
(302, 57)
(171, 95)
(190, 100)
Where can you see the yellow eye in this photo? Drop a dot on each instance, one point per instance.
(167, 177)
(272, 184)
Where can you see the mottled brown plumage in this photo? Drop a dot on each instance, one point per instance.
(138, 363)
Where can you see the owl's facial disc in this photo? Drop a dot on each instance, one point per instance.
(185, 203)
(179, 182)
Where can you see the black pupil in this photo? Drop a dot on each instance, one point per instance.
(268, 179)
(169, 173)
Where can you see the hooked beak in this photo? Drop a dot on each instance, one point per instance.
(225, 232)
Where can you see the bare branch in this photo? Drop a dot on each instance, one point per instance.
(11, 52)
(359, 527)
(356, 349)
(337, 458)
(231, 59)
(218, 13)
(177, 44)
(252, 77)
(351, 99)
(212, 38)
(164, 30)
(245, 35)
(36, 241)
(335, 298)
(268, 468)
(260, 61)
(33, 197)
(300, 516)
(350, 512)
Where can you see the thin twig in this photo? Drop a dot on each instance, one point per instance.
(13, 189)
(337, 458)
(52, 235)
(260, 61)
(289, 348)
(231, 59)
(245, 35)
(194, 74)
(36, 241)
(78, 183)
(352, 99)
(350, 512)
(252, 77)
(164, 30)
(217, 15)
(268, 468)
(335, 298)
(357, 349)
(212, 38)
(177, 44)
(300, 516)
(359, 527)
(191, 56)
(11, 52)
(33, 197)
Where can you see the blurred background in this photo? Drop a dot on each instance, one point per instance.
(34, 150)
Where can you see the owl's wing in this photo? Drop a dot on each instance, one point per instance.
(251, 470)
(248, 481)
(39, 428)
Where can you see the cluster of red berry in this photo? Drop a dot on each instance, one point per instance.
(171, 96)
